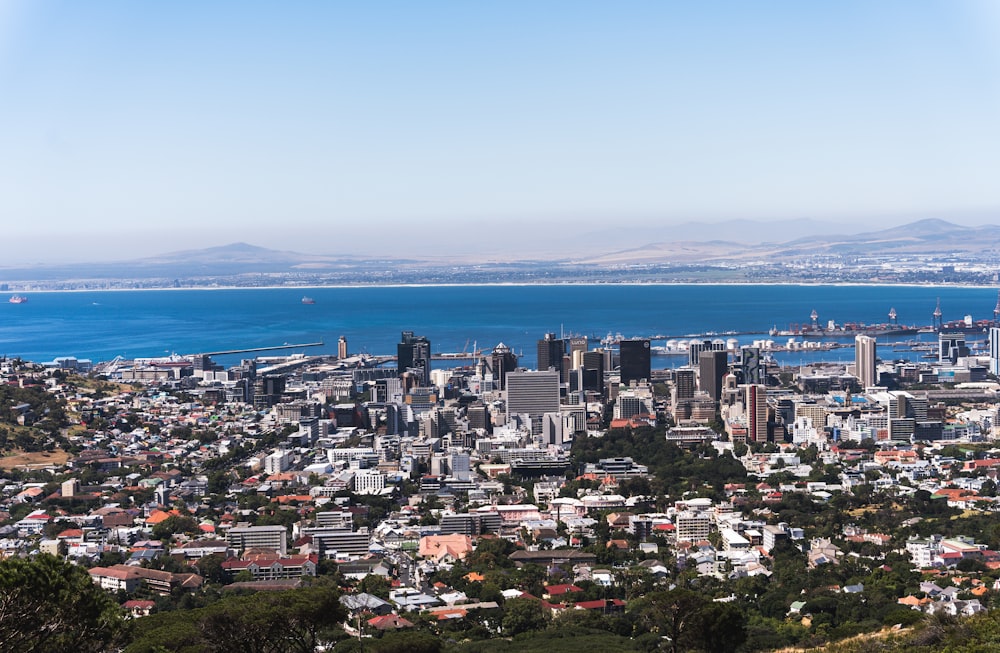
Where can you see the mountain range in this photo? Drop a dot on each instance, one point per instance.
(929, 237)
(730, 244)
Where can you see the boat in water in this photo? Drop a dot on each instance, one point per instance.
(308, 300)
(17, 299)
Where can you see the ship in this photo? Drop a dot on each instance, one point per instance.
(17, 299)
(308, 300)
(849, 330)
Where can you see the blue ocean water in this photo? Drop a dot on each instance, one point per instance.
(101, 325)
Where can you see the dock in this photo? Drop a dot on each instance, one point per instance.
(251, 350)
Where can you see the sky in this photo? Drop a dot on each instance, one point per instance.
(130, 129)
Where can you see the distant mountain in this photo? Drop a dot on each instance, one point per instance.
(736, 241)
(226, 260)
(929, 236)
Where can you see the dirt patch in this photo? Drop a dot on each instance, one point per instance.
(34, 459)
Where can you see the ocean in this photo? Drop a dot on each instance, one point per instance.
(100, 325)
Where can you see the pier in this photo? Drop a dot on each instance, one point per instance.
(251, 350)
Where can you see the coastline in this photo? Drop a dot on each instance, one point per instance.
(521, 284)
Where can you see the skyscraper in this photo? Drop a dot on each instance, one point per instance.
(414, 353)
(342, 347)
(501, 361)
(533, 394)
(751, 365)
(756, 409)
(635, 361)
(714, 365)
(577, 348)
(696, 349)
(864, 361)
(684, 384)
(550, 352)
(995, 351)
(592, 365)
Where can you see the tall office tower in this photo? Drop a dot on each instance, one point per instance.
(533, 394)
(550, 352)
(635, 362)
(342, 347)
(756, 409)
(696, 350)
(414, 353)
(500, 362)
(714, 365)
(479, 417)
(592, 365)
(995, 351)
(578, 344)
(751, 366)
(864, 361)
(267, 390)
(951, 347)
(684, 383)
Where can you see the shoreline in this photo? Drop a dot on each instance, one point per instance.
(519, 284)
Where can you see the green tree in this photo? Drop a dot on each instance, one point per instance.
(375, 585)
(689, 621)
(296, 621)
(521, 616)
(175, 524)
(48, 605)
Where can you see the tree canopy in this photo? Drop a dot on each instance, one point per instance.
(49, 605)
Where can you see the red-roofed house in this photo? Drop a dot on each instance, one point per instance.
(273, 568)
(443, 547)
(139, 608)
(609, 606)
(389, 622)
(554, 591)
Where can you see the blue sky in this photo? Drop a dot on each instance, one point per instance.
(132, 128)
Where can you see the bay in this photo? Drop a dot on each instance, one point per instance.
(103, 324)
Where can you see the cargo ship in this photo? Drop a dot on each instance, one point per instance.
(849, 329)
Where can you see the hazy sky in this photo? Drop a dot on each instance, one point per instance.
(131, 128)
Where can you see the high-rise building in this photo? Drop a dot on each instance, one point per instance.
(995, 351)
(342, 347)
(550, 352)
(267, 390)
(864, 361)
(684, 385)
(414, 353)
(593, 371)
(635, 361)
(243, 536)
(751, 366)
(533, 394)
(714, 365)
(756, 410)
(696, 349)
(499, 362)
(386, 389)
(577, 348)
(951, 347)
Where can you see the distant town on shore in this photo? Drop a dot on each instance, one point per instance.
(925, 252)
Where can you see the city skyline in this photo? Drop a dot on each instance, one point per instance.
(320, 128)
